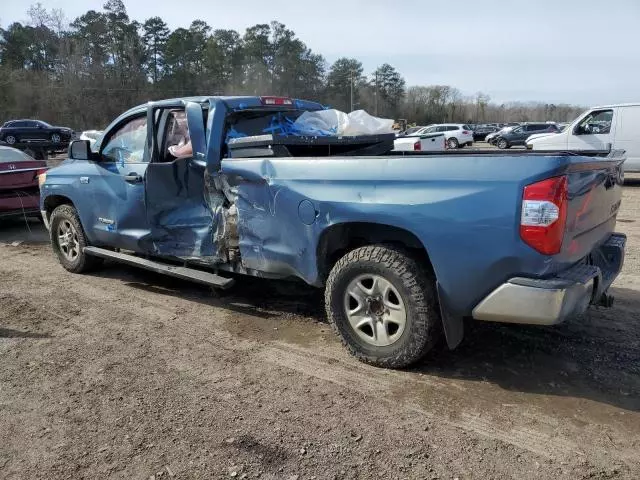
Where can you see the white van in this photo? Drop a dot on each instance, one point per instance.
(615, 126)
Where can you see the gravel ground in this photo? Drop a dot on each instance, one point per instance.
(124, 374)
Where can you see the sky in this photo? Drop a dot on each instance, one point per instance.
(583, 52)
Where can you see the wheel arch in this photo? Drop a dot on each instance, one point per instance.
(340, 238)
(51, 202)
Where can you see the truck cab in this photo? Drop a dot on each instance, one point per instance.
(612, 126)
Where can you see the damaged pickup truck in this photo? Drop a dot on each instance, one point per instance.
(406, 245)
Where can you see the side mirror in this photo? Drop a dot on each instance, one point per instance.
(80, 150)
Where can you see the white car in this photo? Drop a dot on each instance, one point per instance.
(429, 142)
(457, 135)
(91, 135)
(615, 127)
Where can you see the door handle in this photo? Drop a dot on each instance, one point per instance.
(133, 178)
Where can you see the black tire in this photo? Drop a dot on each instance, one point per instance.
(56, 138)
(416, 287)
(502, 144)
(10, 139)
(82, 262)
(453, 143)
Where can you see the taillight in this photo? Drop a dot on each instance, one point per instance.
(544, 215)
(276, 101)
(464, 132)
(41, 175)
(417, 147)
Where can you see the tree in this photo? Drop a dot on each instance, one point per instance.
(85, 73)
(156, 33)
(199, 33)
(345, 78)
(389, 89)
(91, 36)
(295, 70)
(257, 59)
(124, 45)
(482, 100)
(178, 60)
(226, 50)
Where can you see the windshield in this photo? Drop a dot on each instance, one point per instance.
(44, 124)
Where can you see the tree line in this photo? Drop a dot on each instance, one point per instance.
(84, 72)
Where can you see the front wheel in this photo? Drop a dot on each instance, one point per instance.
(10, 139)
(68, 240)
(502, 144)
(383, 306)
(56, 138)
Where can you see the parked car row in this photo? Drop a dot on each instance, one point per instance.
(25, 131)
(485, 132)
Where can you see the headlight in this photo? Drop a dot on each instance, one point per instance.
(41, 179)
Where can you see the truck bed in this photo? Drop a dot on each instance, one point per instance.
(455, 204)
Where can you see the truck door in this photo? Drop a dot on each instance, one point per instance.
(181, 221)
(115, 181)
(594, 132)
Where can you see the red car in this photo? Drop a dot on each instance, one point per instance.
(19, 189)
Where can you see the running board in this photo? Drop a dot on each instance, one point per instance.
(184, 273)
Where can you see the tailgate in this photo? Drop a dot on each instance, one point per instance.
(594, 194)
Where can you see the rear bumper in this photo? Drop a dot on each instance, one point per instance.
(551, 301)
(18, 204)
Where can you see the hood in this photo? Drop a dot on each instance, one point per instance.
(540, 135)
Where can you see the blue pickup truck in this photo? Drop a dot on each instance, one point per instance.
(406, 246)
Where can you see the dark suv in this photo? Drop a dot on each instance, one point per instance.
(19, 131)
(519, 135)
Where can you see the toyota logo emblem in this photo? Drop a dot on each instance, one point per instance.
(12, 166)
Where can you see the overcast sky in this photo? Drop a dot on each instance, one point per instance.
(571, 51)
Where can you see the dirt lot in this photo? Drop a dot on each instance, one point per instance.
(123, 374)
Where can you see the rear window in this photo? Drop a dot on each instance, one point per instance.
(467, 127)
(260, 122)
(11, 155)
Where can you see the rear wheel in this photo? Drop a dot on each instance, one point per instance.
(453, 143)
(383, 306)
(10, 139)
(68, 240)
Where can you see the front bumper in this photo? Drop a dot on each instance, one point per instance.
(45, 219)
(551, 301)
